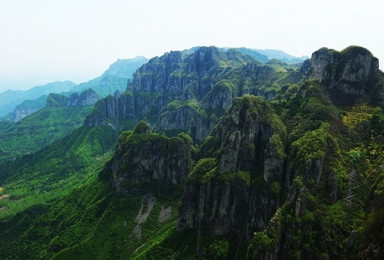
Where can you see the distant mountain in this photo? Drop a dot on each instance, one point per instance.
(265, 56)
(26, 108)
(255, 54)
(86, 98)
(277, 161)
(280, 55)
(124, 68)
(11, 98)
(60, 116)
(115, 78)
(16, 104)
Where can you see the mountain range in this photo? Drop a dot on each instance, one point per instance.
(208, 153)
(16, 104)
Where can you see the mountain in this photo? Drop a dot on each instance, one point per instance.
(115, 78)
(251, 52)
(184, 91)
(125, 68)
(280, 55)
(11, 98)
(18, 104)
(278, 162)
(60, 116)
(26, 108)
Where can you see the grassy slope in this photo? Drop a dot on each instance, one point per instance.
(94, 217)
(56, 169)
(39, 129)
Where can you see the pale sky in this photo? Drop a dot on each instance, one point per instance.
(47, 40)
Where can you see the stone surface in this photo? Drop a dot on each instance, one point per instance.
(143, 157)
(214, 206)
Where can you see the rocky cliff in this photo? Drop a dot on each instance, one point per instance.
(142, 157)
(234, 179)
(292, 169)
(350, 75)
(275, 177)
(112, 110)
(86, 98)
(205, 76)
(21, 113)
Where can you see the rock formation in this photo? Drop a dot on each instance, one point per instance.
(349, 75)
(234, 183)
(86, 98)
(143, 157)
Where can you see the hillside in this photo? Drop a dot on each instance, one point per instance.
(210, 154)
(11, 98)
(60, 117)
(19, 104)
(115, 78)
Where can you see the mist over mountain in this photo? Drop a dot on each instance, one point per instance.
(115, 78)
(20, 103)
(11, 98)
(281, 55)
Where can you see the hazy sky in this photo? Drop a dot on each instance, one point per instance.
(48, 40)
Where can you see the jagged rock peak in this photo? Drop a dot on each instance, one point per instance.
(125, 68)
(142, 128)
(86, 98)
(352, 72)
(144, 157)
(56, 100)
(244, 132)
(243, 154)
(110, 109)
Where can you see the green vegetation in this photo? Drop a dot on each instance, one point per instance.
(93, 217)
(298, 177)
(39, 130)
(56, 169)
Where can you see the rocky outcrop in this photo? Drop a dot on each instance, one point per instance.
(232, 184)
(220, 97)
(349, 74)
(216, 207)
(187, 117)
(111, 110)
(125, 68)
(56, 100)
(26, 108)
(182, 76)
(143, 157)
(86, 98)
(21, 113)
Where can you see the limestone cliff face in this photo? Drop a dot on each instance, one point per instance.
(186, 118)
(56, 100)
(233, 184)
(220, 208)
(143, 157)
(21, 113)
(183, 76)
(112, 109)
(352, 72)
(207, 76)
(86, 98)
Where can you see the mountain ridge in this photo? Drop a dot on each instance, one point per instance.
(285, 163)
